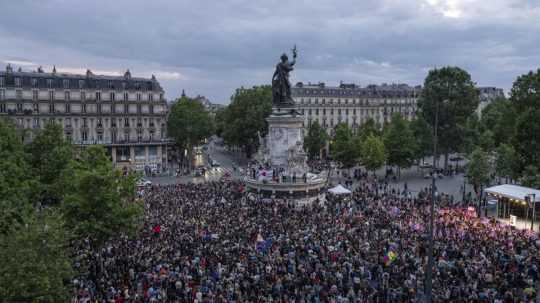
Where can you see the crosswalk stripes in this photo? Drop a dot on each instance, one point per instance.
(216, 171)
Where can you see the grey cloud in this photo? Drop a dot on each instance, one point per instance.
(217, 46)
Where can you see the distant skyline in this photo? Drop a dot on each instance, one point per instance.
(211, 48)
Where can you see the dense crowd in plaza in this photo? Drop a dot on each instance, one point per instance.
(213, 242)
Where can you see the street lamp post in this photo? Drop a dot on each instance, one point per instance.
(532, 202)
(464, 186)
(429, 271)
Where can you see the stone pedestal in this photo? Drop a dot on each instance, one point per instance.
(282, 155)
(284, 135)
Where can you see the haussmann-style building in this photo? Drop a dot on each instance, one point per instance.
(125, 114)
(353, 104)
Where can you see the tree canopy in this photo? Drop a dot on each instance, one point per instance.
(531, 176)
(189, 123)
(35, 265)
(450, 92)
(245, 116)
(315, 140)
(505, 161)
(34, 260)
(16, 182)
(422, 136)
(345, 146)
(478, 168)
(96, 205)
(522, 114)
(499, 117)
(49, 155)
(399, 142)
(527, 138)
(369, 127)
(525, 93)
(373, 152)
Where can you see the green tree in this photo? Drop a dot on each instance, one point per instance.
(478, 168)
(505, 161)
(16, 182)
(34, 261)
(525, 93)
(499, 117)
(527, 139)
(471, 131)
(373, 152)
(399, 143)
(525, 100)
(315, 140)
(189, 123)
(97, 204)
(450, 92)
(531, 177)
(49, 155)
(423, 137)
(369, 127)
(344, 146)
(220, 122)
(487, 140)
(245, 116)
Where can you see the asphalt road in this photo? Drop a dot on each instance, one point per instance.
(227, 160)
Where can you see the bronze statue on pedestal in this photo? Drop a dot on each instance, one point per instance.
(281, 87)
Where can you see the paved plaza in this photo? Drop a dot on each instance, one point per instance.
(234, 163)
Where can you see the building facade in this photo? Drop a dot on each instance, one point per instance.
(212, 108)
(354, 105)
(125, 114)
(486, 95)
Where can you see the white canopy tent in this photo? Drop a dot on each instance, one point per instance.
(514, 192)
(339, 190)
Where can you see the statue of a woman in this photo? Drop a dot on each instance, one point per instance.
(281, 87)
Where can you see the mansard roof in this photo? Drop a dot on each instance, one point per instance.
(89, 80)
(353, 90)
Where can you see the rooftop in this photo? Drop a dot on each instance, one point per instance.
(97, 81)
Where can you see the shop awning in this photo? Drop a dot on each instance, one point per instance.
(515, 192)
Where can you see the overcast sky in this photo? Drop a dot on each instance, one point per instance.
(212, 47)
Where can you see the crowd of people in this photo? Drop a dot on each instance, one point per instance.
(214, 242)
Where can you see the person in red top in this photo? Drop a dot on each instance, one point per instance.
(157, 230)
